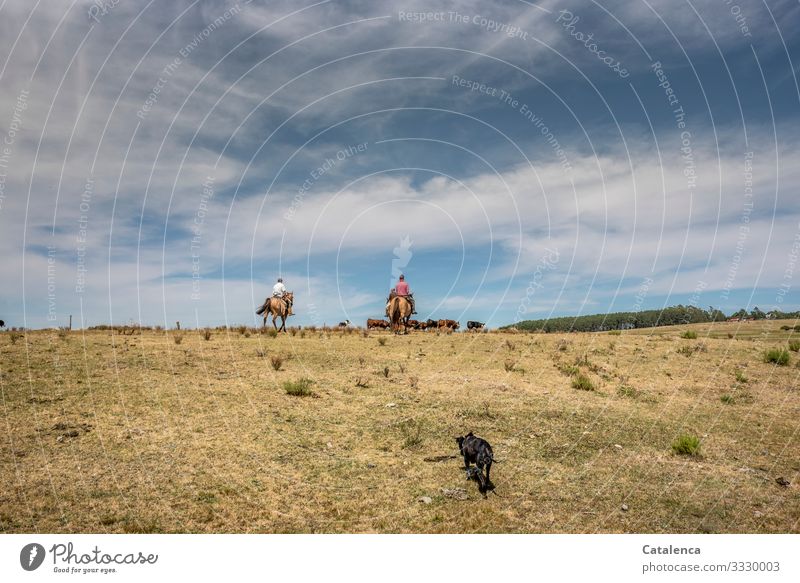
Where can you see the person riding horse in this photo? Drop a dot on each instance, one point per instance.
(279, 305)
(401, 289)
(279, 291)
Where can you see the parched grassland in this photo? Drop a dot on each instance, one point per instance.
(641, 431)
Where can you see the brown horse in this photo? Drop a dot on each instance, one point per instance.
(399, 313)
(279, 308)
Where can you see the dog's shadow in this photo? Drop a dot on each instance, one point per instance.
(474, 474)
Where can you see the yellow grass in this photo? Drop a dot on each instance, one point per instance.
(136, 433)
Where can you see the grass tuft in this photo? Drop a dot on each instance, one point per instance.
(794, 345)
(276, 362)
(582, 383)
(779, 356)
(689, 335)
(299, 388)
(686, 444)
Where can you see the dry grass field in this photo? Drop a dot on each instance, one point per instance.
(140, 433)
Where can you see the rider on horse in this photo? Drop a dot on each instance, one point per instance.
(401, 289)
(278, 291)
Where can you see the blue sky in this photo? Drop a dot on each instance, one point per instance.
(167, 161)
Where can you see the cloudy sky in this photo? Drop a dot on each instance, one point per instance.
(165, 161)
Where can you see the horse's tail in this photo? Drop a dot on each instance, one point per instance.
(263, 307)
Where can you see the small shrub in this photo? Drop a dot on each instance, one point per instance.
(302, 333)
(14, 337)
(794, 345)
(206, 334)
(293, 332)
(510, 345)
(509, 365)
(582, 383)
(299, 388)
(382, 341)
(686, 445)
(272, 333)
(614, 332)
(63, 333)
(739, 375)
(689, 335)
(361, 360)
(779, 356)
(562, 345)
(276, 362)
(727, 399)
(177, 338)
(260, 352)
(413, 382)
(360, 383)
(730, 334)
(242, 330)
(385, 372)
(687, 351)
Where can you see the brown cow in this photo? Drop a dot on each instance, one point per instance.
(415, 324)
(451, 324)
(372, 324)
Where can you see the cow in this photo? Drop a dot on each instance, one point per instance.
(472, 325)
(344, 324)
(372, 324)
(423, 325)
(431, 324)
(413, 324)
(451, 324)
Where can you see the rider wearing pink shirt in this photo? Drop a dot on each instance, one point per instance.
(402, 289)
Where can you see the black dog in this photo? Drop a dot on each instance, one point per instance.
(478, 451)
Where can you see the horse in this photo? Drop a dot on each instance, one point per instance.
(399, 313)
(278, 307)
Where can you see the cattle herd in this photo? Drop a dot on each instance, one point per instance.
(429, 324)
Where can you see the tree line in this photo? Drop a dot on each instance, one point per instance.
(672, 316)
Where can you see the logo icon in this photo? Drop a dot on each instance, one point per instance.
(31, 556)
